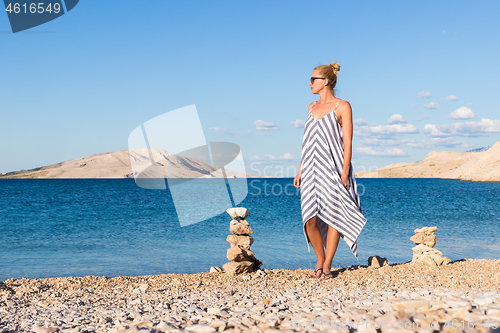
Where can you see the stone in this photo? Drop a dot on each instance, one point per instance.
(238, 212)
(141, 289)
(418, 238)
(420, 305)
(482, 301)
(376, 261)
(430, 240)
(235, 253)
(421, 238)
(421, 249)
(234, 268)
(243, 241)
(238, 228)
(39, 329)
(426, 230)
(200, 328)
(429, 261)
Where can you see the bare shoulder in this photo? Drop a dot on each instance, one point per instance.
(344, 105)
(344, 108)
(310, 106)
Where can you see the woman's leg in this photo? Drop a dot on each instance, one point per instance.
(332, 241)
(316, 241)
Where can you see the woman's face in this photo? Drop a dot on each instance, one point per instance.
(317, 84)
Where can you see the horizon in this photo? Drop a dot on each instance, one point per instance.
(78, 85)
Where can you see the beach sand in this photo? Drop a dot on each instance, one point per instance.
(463, 296)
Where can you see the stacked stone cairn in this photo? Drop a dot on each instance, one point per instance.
(242, 260)
(424, 252)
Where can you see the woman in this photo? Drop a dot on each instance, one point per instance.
(329, 197)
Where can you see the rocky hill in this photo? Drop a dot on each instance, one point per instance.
(117, 165)
(482, 166)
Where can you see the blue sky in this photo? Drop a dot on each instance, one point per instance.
(80, 84)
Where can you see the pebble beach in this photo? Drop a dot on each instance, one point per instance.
(463, 296)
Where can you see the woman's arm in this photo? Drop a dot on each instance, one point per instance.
(346, 117)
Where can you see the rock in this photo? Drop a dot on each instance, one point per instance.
(482, 301)
(426, 230)
(141, 289)
(260, 272)
(376, 261)
(200, 328)
(234, 268)
(39, 329)
(238, 212)
(235, 253)
(421, 238)
(214, 270)
(493, 312)
(237, 228)
(163, 326)
(418, 238)
(429, 261)
(420, 305)
(430, 240)
(241, 241)
(421, 249)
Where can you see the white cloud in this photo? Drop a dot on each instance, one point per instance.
(272, 158)
(383, 152)
(360, 122)
(375, 130)
(450, 98)
(254, 158)
(462, 113)
(231, 134)
(424, 94)
(265, 126)
(468, 104)
(442, 142)
(385, 142)
(221, 130)
(396, 119)
(265, 133)
(425, 116)
(298, 123)
(431, 105)
(470, 128)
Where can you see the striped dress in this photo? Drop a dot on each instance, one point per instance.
(322, 193)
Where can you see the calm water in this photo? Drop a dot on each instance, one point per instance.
(113, 227)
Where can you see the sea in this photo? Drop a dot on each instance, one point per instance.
(112, 227)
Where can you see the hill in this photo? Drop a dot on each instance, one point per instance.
(117, 165)
(482, 166)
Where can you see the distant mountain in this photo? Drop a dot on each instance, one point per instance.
(478, 150)
(474, 165)
(117, 165)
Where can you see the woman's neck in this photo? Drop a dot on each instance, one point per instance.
(326, 96)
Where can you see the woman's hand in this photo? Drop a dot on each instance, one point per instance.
(296, 181)
(345, 180)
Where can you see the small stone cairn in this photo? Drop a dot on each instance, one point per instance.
(424, 252)
(242, 260)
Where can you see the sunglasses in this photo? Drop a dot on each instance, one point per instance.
(314, 78)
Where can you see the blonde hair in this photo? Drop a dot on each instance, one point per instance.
(329, 72)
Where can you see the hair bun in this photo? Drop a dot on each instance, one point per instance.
(335, 67)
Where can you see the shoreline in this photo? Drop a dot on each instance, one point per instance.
(281, 299)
